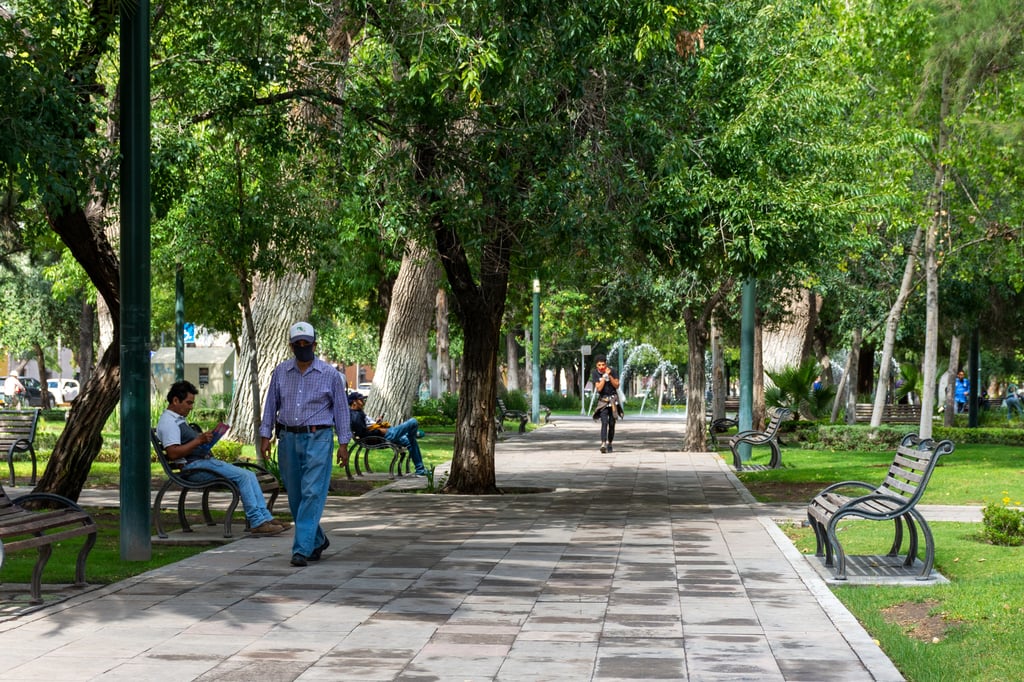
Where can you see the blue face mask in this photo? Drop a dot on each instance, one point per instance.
(303, 353)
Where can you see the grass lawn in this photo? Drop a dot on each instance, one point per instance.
(970, 629)
(104, 564)
(972, 475)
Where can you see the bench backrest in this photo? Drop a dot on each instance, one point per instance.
(172, 469)
(912, 467)
(776, 416)
(17, 426)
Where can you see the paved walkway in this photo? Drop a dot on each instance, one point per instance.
(646, 564)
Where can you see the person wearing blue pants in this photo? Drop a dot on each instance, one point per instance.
(183, 443)
(1013, 403)
(306, 406)
(405, 433)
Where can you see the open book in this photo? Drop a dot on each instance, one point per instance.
(218, 433)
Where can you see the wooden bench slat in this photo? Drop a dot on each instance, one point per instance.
(769, 437)
(22, 528)
(17, 435)
(899, 413)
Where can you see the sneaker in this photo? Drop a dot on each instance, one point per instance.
(315, 556)
(299, 560)
(604, 447)
(421, 473)
(267, 528)
(609, 447)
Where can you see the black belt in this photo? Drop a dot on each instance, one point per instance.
(304, 429)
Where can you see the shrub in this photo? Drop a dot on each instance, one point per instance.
(447, 406)
(516, 400)
(558, 402)
(227, 450)
(208, 416)
(1002, 525)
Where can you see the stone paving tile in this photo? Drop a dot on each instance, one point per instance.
(647, 563)
(641, 659)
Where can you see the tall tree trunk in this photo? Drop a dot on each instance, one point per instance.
(848, 383)
(697, 341)
(697, 319)
(276, 304)
(892, 324)
(512, 356)
(86, 338)
(937, 204)
(718, 387)
(44, 390)
(443, 340)
(406, 335)
(949, 400)
(479, 309)
(80, 441)
(788, 342)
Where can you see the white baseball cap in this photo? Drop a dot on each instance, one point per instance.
(301, 331)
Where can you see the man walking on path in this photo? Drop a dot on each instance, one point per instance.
(306, 404)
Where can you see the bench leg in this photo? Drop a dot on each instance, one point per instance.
(396, 464)
(83, 554)
(929, 546)
(776, 460)
(522, 424)
(207, 516)
(272, 499)
(36, 589)
(182, 519)
(156, 510)
(10, 465)
(835, 549)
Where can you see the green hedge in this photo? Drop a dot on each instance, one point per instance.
(824, 436)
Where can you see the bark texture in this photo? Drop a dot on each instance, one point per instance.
(697, 319)
(892, 324)
(949, 400)
(788, 342)
(406, 336)
(443, 340)
(276, 303)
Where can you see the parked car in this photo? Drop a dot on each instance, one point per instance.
(63, 390)
(364, 388)
(35, 393)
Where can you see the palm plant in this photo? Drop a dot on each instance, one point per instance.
(794, 389)
(911, 381)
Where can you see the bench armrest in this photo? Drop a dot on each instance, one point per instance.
(48, 497)
(847, 484)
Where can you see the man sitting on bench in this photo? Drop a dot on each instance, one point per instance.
(181, 441)
(403, 434)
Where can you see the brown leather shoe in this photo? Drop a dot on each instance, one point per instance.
(285, 525)
(267, 528)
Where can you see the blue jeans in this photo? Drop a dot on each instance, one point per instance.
(305, 462)
(405, 433)
(255, 507)
(1013, 405)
